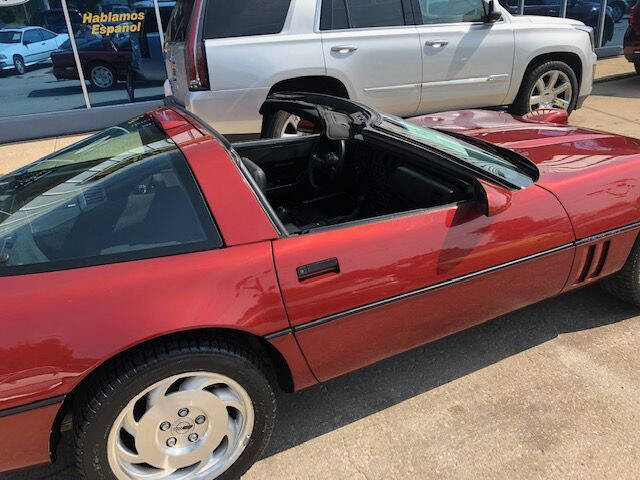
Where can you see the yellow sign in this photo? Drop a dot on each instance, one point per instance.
(126, 22)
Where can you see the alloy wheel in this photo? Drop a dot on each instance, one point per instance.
(102, 76)
(191, 426)
(290, 127)
(18, 63)
(552, 90)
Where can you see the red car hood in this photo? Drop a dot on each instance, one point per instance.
(595, 175)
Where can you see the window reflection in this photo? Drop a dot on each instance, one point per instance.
(120, 50)
(29, 35)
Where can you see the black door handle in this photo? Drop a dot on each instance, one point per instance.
(330, 265)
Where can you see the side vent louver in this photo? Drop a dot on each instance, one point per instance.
(593, 262)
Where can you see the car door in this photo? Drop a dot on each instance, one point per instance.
(36, 47)
(50, 44)
(373, 48)
(356, 294)
(466, 62)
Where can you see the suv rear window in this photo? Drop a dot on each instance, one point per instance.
(124, 194)
(239, 18)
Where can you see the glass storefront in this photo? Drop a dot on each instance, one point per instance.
(30, 34)
(108, 52)
(608, 18)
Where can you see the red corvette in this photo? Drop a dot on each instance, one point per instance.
(158, 283)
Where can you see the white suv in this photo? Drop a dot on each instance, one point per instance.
(405, 57)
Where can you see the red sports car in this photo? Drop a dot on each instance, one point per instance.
(159, 283)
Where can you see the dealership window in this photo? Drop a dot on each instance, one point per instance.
(119, 51)
(31, 34)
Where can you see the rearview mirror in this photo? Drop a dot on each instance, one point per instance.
(492, 12)
(492, 199)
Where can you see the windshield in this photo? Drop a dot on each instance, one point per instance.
(10, 36)
(453, 146)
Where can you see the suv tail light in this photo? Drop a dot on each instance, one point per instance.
(195, 56)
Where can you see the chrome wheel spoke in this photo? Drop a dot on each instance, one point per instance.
(561, 103)
(552, 90)
(157, 394)
(562, 88)
(196, 383)
(128, 456)
(129, 423)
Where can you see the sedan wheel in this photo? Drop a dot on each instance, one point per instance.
(196, 423)
(19, 65)
(194, 408)
(552, 90)
(102, 76)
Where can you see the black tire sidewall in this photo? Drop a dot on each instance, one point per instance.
(24, 67)
(637, 65)
(521, 105)
(276, 124)
(95, 463)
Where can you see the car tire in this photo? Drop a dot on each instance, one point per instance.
(626, 283)
(282, 124)
(546, 71)
(18, 64)
(102, 76)
(220, 387)
(637, 65)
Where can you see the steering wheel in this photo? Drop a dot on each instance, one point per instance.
(326, 162)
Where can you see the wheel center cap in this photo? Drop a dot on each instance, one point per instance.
(183, 427)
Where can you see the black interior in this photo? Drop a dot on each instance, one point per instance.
(370, 181)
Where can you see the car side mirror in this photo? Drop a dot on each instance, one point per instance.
(492, 199)
(492, 12)
(26, 42)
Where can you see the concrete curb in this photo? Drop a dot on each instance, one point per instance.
(615, 76)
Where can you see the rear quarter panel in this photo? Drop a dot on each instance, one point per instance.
(58, 326)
